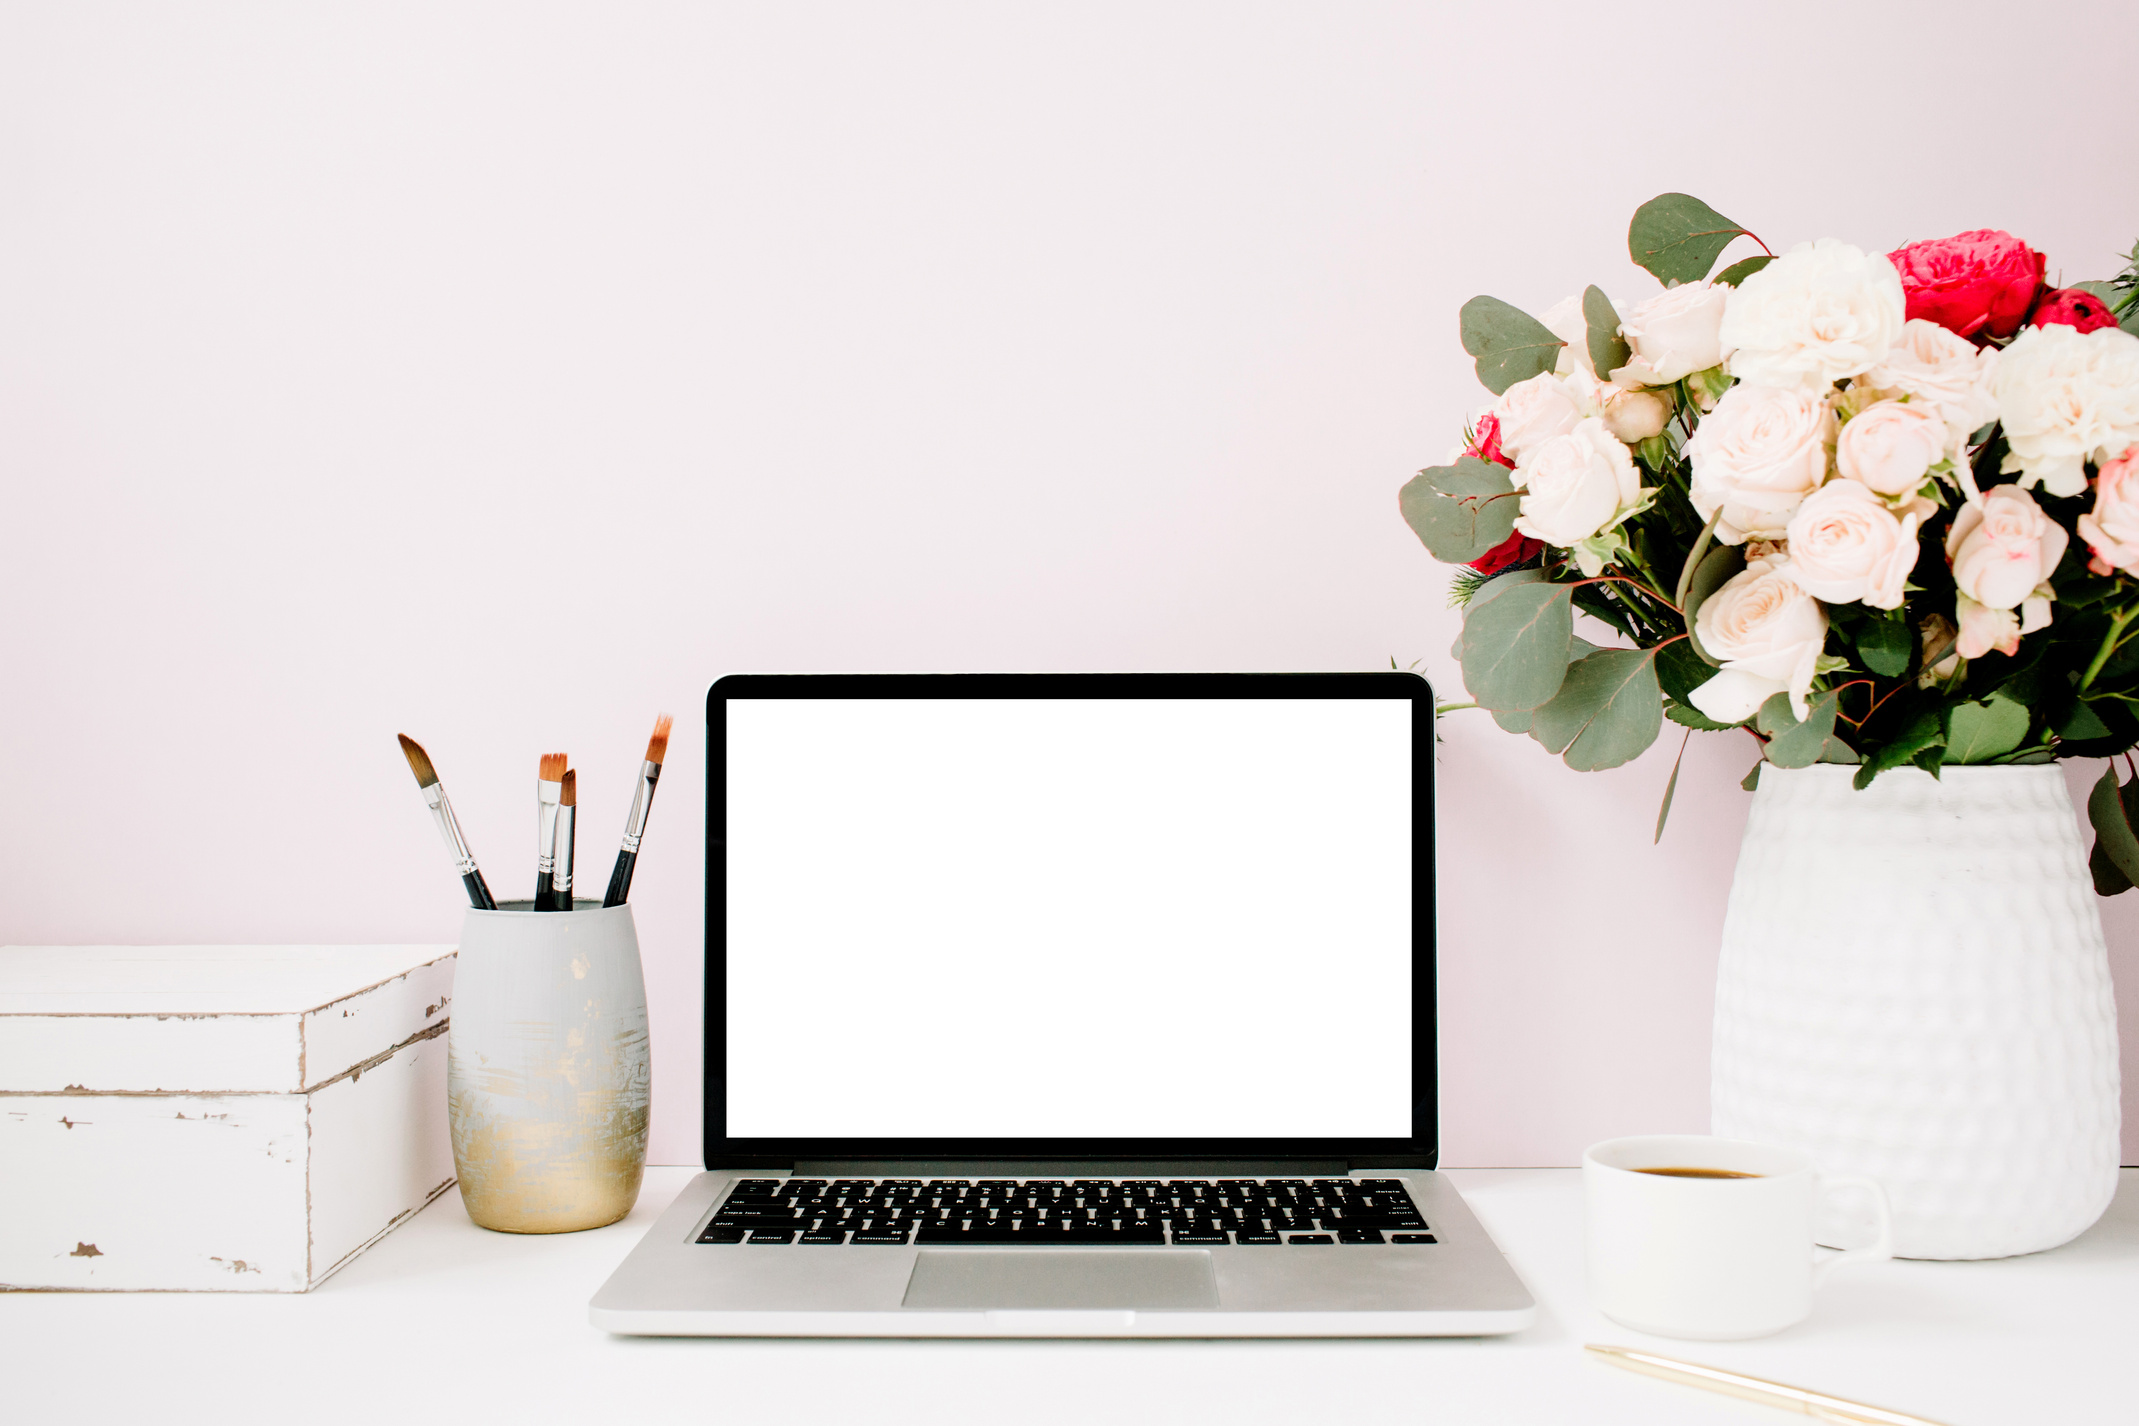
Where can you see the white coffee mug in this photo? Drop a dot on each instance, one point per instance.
(1704, 1256)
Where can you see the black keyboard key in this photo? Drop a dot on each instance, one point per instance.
(715, 1233)
(1197, 1238)
(1360, 1235)
(770, 1235)
(1309, 1238)
(1414, 1238)
(879, 1235)
(825, 1236)
(1254, 1237)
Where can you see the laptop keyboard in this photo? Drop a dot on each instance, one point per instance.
(1049, 1212)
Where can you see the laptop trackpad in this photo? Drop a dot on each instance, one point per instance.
(1055, 1278)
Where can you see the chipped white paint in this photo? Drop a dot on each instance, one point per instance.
(215, 1118)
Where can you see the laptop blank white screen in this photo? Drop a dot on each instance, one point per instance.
(1073, 918)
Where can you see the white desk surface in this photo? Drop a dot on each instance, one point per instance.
(446, 1322)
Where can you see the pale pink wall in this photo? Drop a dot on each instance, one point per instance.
(502, 375)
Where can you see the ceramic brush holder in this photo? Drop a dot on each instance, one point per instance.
(548, 1079)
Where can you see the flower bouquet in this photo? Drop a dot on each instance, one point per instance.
(1879, 510)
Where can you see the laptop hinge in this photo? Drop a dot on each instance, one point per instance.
(1070, 1168)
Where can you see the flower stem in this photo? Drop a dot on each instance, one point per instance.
(2110, 643)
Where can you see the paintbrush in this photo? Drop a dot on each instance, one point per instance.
(567, 816)
(434, 793)
(642, 801)
(549, 792)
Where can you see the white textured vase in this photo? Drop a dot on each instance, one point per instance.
(1913, 988)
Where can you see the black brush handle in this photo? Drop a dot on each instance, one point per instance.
(620, 879)
(545, 894)
(479, 892)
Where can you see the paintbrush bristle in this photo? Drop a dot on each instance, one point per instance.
(657, 745)
(553, 767)
(419, 762)
(570, 796)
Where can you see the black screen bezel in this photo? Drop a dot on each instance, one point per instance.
(1418, 1150)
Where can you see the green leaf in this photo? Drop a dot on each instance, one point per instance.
(1671, 788)
(1688, 716)
(2113, 826)
(1885, 646)
(1608, 351)
(1925, 732)
(1795, 744)
(1978, 732)
(1512, 721)
(1680, 670)
(1456, 531)
(1678, 237)
(1838, 751)
(1752, 779)
(2108, 881)
(1470, 476)
(1721, 565)
(1515, 645)
(1510, 344)
(1607, 713)
(1694, 557)
(2082, 722)
(1739, 271)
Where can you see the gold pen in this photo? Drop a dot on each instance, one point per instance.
(1815, 1404)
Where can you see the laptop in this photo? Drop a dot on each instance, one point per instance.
(1085, 1005)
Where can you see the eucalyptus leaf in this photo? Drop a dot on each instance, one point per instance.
(1688, 716)
(1752, 779)
(1795, 744)
(1515, 645)
(1719, 567)
(1608, 351)
(1978, 732)
(1607, 713)
(1509, 343)
(1456, 531)
(1469, 476)
(1663, 813)
(2113, 826)
(1739, 271)
(1512, 720)
(1678, 237)
(1838, 751)
(1885, 645)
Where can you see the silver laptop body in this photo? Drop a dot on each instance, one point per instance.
(1068, 1005)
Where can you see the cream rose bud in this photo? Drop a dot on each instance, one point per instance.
(1768, 632)
(2003, 548)
(1756, 457)
(1846, 546)
(2111, 529)
(1820, 312)
(1889, 446)
(1984, 628)
(1945, 372)
(2066, 397)
(1575, 485)
(1533, 411)
(1634, 416)
(1674, 334)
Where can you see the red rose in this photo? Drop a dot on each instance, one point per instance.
(1485, 441)
(1515, 549)
(1979, 284)
(2070, 307)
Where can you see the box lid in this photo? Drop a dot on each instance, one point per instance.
(210, 1019)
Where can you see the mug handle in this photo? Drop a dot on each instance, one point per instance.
(1881, 1248)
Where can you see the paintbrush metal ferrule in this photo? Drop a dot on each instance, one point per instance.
(642, 803)
(546, 810)
(449, 828)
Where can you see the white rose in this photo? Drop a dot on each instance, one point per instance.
(1768, 633)
(2111, 529)
(1945, 371)
(1984, 628)
(1674, 334)
(1575, 485)
(1634, 416)
(1845, 545)
(1533, 411)
(2004, 548)
(1564, 320)
(1756, 457)
(2066, 397)
(1820, 312)
(1889, 446)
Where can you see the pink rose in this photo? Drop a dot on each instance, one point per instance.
(2003, 549)
(1984, 628)
(2070, 307)
(1485, 442)
(1515, 549)
(1979, 284)
(2111, 529)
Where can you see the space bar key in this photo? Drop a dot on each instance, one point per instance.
(1052, 1238)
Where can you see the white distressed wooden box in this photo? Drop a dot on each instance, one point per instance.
(216, 1118)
